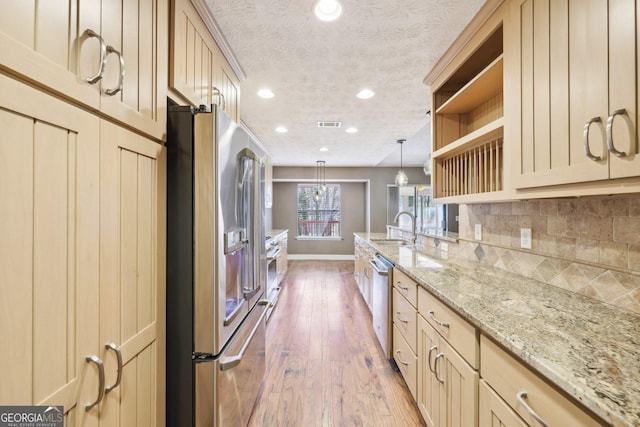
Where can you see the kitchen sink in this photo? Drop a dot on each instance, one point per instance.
(391, 242)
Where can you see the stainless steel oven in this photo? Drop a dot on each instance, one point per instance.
(273, 290)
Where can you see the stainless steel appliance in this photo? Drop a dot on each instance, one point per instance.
(381, 307)
(273, 290)
(216, 269)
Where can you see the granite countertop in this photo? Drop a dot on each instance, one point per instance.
(272, 234)
(589, 349)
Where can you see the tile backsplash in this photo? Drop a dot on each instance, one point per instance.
(586, 245)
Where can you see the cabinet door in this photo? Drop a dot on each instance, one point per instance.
(458, 388)
(49, 253)
(623, 90)
(494, 412)
(225, 81)
(138, 29)
(46, 42)
(578, 69)
(428, 393)
(132, 278)
(190, 70)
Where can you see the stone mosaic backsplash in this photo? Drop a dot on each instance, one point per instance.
(586, 245)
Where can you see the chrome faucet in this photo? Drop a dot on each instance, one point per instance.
(413, 224)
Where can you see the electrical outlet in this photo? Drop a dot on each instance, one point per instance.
(444, 247)
(525, 238)
(477, 232)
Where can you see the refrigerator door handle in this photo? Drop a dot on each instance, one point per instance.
(228, 362)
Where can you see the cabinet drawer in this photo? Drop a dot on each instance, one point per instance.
(457, 331)
(494, 411)
(406, 286)
(405, 317)
(508, 377)
(406, 360)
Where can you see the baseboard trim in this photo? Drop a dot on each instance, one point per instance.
(321, 257)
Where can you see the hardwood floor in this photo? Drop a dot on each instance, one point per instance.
(324, 364)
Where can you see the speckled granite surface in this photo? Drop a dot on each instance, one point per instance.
(587, 348)
(272, 234)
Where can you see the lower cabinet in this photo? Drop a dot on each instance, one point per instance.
(82, 221)
(494, 412)
(447, 384)
(527, 394)
(406, 360)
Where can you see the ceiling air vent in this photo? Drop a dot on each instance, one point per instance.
(329, 124)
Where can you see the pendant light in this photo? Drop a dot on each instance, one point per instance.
(401, 177)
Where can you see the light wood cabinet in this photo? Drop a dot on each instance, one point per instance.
(132, 275)
(467, 113)
(49, 253)
(48, 43)
(83, 222)
(510, 379)
(447, 384)
(198, 70)
(494, 412)
(404, 318)
(577, 92)
(447, 387)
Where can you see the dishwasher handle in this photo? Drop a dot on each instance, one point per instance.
(384, 273)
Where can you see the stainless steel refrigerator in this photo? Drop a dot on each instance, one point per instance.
(216, 269)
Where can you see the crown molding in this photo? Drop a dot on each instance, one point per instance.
(210, 23)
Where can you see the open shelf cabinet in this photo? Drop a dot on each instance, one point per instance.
(468, 125)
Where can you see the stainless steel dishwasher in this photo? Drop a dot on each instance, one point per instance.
(381, 312)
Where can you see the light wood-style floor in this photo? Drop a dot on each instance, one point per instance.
(324, 364)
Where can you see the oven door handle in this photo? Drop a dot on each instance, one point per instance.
(272, 255)
(384, 273)
(228, 362)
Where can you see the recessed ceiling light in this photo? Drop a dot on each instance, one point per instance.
(324, 149)
(265, 93)
(282, 129)
(351, 130)
(365, 94)
(328, 10)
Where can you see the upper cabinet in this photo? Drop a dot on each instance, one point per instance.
(468, 113)
(198, 70)
(108, 56)
(578, 93)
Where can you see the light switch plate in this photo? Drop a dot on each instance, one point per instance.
(478, 232)
(444, 247)
(525, 238)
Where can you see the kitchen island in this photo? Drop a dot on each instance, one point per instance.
(588, 350)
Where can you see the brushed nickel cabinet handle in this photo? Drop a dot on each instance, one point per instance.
(435, 367)
(610, 146)
(399, 285)
(521, 396)
(431, 350)
(587, 150)
(439, 322)
(399, 318)
(222, 103)
(103, 57)
(399, 360)
(111, 92)
(116, 349)
(95, 359)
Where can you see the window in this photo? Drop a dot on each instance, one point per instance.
(318, 217)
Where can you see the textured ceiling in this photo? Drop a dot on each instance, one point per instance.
(316, 68)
